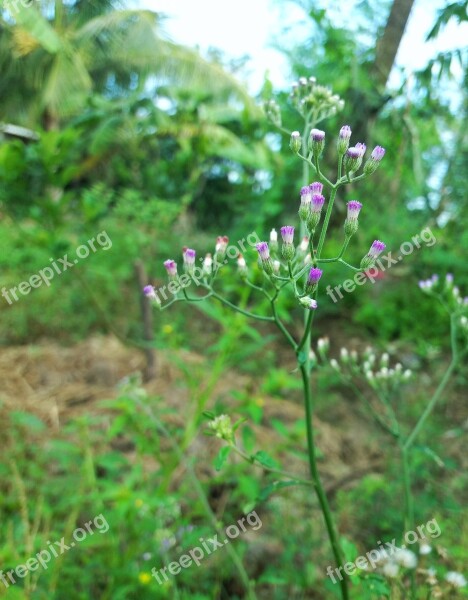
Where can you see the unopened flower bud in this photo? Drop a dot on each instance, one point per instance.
(242, 266)
(276, 266)
(315, 212)
(189, 260)
(208, 264)
(306, 199)
(220, 249)
(343, 139)
(308, 302)
(316, 142)
(375, 250)
(373, 162)
(150, 293)
(344, 355)
(295, 143)
(288, 249)
(312, 280)
(265, 260)
(171, 268)
(351, 224)
(303, 246)
(334, 364)
(273, 240)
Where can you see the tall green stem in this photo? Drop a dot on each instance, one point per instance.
(321, 495)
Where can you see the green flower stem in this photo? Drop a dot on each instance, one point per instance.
(202, 497)
(441, 387)
(323, 232)
(320, 175)
(281, 327)
(252, 461)
(240, 310)
(387, 428)
(321, 495)
(355, 269)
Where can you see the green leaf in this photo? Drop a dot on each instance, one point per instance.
(274, 487)
(37, 26)
(221, 457)
(265, 459)
(27, 420)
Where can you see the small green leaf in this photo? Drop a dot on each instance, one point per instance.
(221, 457)
(271, 489)
(265, 459)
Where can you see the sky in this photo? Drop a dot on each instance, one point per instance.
(250, 26)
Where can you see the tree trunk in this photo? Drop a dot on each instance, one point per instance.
(388, 44)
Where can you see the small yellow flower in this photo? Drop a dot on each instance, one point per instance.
(167, 329)
(260, 402)
(144, 578)
(139, 502)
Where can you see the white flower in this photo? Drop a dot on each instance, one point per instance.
(273, 236)
(455, 579)
(425, 549)
(406, 558)
(334, 364)
(390, 569)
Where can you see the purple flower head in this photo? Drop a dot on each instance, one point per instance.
(449, 278)
(287, 233)
(345, 132)
(435, 278)
(263, 250)
(171, 267)
(353, 152)
(317, 203)
(377, 153)
(376, 249)
(306, 195)
(149, 292)
(317, 135)
(189, 256)
(296, 135)
(316, 187)
(361, 149)
(314, 275)
(354, 208)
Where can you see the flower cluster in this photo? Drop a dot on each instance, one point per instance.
(222, 428)
(376, 370)
(306, 96)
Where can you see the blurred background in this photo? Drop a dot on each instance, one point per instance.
(145, 121)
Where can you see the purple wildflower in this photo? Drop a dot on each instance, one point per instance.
(287, 233)
(189, 256)
(317, 203)
(377, 248)
(353, 153)
(345, 132)
(317, 135)
(149, 292)
(171, 267)
(263, 250)
(314, 275)
(316, 187)
(378, 153)
(361, 148)
(354, 207)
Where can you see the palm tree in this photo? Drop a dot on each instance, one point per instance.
(54, 56)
